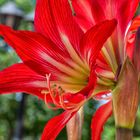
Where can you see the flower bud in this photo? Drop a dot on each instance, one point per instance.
(125, 96)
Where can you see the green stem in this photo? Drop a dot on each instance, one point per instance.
(124, 134)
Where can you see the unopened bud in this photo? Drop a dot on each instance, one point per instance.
(125, 96)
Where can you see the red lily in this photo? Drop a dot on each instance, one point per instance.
(58, 60)
(117, 48)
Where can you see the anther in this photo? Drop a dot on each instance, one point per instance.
(71, 7)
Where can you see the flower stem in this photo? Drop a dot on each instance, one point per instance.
(124, 134)
(74, 126)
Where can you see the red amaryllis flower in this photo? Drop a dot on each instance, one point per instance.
(58, 60)
(113, 64)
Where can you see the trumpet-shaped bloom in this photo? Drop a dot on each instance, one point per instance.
(120, 45)
(59, 60)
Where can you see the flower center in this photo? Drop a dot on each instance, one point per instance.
(60, 98)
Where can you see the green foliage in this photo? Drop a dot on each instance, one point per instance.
(89, 110)
(8, 108)
(25, 5)
(2, 2)
(7, 58)
(109, 130)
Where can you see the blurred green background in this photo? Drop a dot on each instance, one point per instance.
(35, 113)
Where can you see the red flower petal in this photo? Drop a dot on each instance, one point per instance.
(45, 24)
(19, 78)
(55, 125)
(35, 50)
(130, 36)
(57, 19)
(99, 119)
(122, 10)
(84, 19)
(65, 22)
(57, 22)
(93, 40)
(135, 24)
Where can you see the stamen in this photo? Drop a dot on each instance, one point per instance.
(50, 91)
(50, 106)
(71, 7)
(45, 91)
(58, 97)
